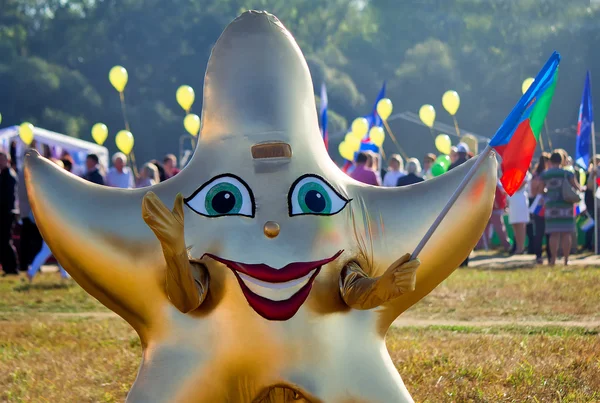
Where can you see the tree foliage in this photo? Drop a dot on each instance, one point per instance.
(56, 55)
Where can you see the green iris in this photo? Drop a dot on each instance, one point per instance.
(223, 199)
(314, 199)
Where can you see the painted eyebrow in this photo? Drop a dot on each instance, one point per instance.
(271, 150)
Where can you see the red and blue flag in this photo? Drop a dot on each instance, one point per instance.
(516, 139)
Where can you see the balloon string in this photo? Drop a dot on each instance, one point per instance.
(387, 127)
(131, 154)
(456, 126)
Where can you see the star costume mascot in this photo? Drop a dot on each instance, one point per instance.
(275, 276)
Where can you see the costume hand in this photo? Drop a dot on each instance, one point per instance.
(167, 225)
(401, 276)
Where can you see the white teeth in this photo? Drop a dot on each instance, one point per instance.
(275, 291)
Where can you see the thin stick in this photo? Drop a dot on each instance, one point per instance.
(127, 127)
(456, 126)
(595, 178)
(541, 142)
(548, 134)
(124, 111)
(463, 184)
(387, 127)
(382, 152)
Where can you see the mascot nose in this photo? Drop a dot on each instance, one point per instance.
(271, 229)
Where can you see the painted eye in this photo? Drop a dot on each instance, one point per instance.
(223, 195)
(310, 194)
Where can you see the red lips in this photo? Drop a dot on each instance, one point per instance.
(269, 309)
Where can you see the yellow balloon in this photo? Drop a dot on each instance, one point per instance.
(377, 135)
(185, 97)
(443, 144)
(124, 141)
(384, 108)
(26, 132)
(451, 102)
(351, 137)
(526, 84)
(360, 126)
(99, 133)
(348, 148)
(0, 118)
(118, 77)
(192, 124)
(345, 151)
(471, 141)
(427, 115)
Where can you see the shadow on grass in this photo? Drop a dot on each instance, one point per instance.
(41, 287)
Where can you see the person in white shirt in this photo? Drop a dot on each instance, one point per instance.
(120, 176)
(395, 171)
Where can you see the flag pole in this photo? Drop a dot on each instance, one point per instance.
(595, 181)
(463, 184)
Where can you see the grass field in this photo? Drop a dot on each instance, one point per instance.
(527, 335)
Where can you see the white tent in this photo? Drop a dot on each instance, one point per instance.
(58, 143)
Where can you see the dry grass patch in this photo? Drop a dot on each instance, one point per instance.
(540, 293)
(95, 360)
(67, 361)
(498, 365)
(47, 294)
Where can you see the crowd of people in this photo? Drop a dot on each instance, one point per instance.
(17, 222)
(538, 212)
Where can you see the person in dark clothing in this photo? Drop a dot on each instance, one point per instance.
(68, 164)
(413, 169)
(462, 150)
(162, 174)
(93, 172)
(30, 241)
(8, 210)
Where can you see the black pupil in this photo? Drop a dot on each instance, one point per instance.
(223, 202)
(315, 201)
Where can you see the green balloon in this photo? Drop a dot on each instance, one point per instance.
(444, 160)
(437, 169)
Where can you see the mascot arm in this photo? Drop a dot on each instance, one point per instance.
(359, 291)
(186, 282)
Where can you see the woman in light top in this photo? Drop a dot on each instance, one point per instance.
(395, 171)
(148, 176)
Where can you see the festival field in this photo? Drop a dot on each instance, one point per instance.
(523, 335)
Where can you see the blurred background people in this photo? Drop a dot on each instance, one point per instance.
(170, 166)
(395, 171)
(93, 173)
(148, 176)
(8, 210)
(413, 169)
(120, 176)
(364, 173)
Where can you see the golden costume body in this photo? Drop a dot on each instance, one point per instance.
(183, 278)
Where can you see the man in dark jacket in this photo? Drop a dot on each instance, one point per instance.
(93, 172)
(8, 209)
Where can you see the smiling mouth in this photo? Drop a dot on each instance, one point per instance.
(295, 278)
